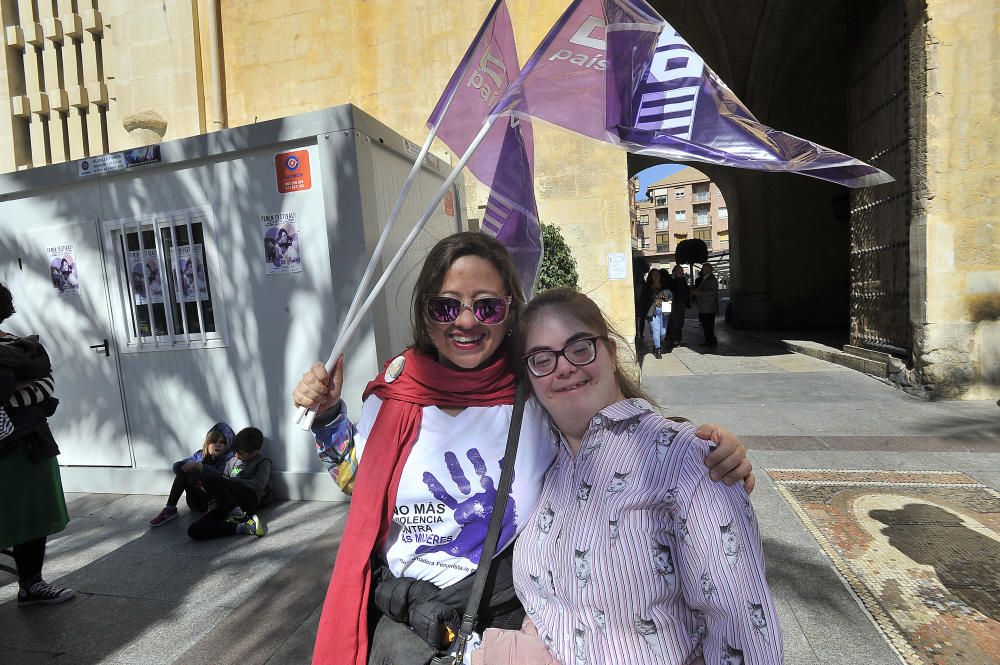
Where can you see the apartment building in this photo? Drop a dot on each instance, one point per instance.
(683, 205)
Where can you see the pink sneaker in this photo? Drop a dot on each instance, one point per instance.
(168, 513)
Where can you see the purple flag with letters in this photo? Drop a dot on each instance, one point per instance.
(504, 161)
(614, 70)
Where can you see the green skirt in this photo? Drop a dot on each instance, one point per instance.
(31, 499)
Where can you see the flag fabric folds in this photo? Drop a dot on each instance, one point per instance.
(616, 71)
(504, 161)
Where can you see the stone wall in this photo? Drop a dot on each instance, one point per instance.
(957, 329)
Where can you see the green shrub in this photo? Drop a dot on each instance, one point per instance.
(558, 264)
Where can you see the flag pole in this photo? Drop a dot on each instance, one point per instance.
(352, 326)
(384, 236)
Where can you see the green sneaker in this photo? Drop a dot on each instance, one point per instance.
(255, 526)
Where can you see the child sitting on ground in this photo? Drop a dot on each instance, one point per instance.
(245, 483)
(214, 453)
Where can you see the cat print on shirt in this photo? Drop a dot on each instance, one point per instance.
(757, 618)
(700, 627)
(663, 562)
(748, 508)
(618, 483)
(730, 540)
(670, 499)
(646, 629)
(707, 585)
(547, 639)
(552, 582)
(580, 647)
(663, 442)
(591, 446)
(583, 567)
(601, 620)
(730, 655)
(543, 594)
(545, 518)
(583, 493)
(682, 531)
(632, 427)
(613, 531)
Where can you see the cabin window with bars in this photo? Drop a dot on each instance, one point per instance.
(167, 289)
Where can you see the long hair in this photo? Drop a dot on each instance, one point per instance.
(213, 436)
(584, 310)
(436, 265)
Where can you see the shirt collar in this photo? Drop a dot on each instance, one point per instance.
(626, 409)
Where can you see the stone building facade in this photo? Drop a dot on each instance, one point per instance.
(904, 84)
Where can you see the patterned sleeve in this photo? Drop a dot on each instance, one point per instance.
(31, 392)
(335, 445)
(721, 567)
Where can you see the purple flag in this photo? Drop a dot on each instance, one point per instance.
(614, 70)
(504, 161)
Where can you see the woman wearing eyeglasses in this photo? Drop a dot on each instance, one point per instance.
(423, 462)
(633, 554)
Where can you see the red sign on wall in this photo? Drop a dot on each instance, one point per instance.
(292, 171)
(449, 203)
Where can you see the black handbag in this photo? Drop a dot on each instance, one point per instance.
(456, 652)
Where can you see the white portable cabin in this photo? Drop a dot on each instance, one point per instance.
(182, 284)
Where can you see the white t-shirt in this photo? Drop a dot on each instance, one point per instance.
(448, 486)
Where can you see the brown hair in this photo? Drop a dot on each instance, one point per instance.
(583, 309)
(439, 260)
(213, 436)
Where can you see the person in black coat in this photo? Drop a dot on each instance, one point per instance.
(32, 506)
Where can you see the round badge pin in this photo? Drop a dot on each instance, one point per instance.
(394, 369)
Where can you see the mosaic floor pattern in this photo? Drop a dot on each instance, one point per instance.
(921, 549)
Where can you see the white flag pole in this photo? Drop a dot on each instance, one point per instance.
(352, 326)
(384, 236)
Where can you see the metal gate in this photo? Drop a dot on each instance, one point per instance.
(878, 132)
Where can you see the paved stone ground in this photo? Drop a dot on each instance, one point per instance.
(152, 596)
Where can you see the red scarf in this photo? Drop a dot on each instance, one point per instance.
(343, 627)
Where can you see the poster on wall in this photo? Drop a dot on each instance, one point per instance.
(148, 287)
(190, 283)
(62, 270)
(281, 243)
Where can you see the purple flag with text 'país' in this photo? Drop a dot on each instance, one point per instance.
(504, 161)
(616, 71)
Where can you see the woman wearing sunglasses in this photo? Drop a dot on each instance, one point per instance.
(633, 555)
(432, 432)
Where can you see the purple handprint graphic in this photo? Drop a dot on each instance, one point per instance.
(473, 514)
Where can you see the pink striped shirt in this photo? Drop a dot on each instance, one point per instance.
(634, 555)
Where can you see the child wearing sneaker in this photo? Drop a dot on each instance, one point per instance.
(215, 452)
(244, 484)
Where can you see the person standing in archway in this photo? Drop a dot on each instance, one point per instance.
(682, 300)
(707, 292)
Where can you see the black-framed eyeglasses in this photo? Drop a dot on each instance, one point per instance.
(488, 310)
(581, 351)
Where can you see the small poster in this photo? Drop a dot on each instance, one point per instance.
(281, 243)
(617, 265)
(62, 270)
(292, 171)
(147, 286)
(190, 283)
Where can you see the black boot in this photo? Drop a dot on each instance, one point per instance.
(656, 352)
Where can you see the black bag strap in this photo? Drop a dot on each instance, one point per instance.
(496, 522)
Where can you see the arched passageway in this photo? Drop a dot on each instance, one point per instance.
(806, 68)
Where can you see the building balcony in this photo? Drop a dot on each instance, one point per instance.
(700, 197)
(702, 220)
